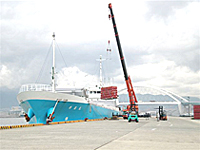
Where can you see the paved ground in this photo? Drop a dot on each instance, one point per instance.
(174, 134)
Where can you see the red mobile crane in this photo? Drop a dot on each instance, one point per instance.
(132, 98)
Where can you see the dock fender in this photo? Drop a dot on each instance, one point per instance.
(29, 115)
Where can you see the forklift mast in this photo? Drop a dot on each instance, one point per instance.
(132, 97)
(162, 113)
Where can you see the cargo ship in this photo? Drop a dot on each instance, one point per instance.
(44, 103)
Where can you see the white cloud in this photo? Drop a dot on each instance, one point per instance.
(74, 77)
(167, 75)
(168, 46)
(6, 77)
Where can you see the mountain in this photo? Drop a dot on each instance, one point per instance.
(8, 98)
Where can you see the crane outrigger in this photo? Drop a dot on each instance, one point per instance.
(133, 107)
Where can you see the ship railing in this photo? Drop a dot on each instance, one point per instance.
(35, 87)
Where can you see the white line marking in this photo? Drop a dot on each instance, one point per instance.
(153, 129)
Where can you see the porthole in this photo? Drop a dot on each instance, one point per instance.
(75, 107)
(70, 107)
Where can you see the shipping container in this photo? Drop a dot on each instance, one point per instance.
(196, 117)
(196, 106)
(109, 92)
(196, 109)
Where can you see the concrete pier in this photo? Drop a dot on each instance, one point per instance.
(174, 134)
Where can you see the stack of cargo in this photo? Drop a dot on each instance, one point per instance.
(196, 111)
(109, 92)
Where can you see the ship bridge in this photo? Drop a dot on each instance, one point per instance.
(150, 98)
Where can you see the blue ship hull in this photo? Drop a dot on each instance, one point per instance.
(65, 111)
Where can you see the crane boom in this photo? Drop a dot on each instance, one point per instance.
(132, 98)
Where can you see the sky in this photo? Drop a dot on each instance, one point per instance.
(160, 41)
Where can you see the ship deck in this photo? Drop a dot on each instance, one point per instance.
(174, 134)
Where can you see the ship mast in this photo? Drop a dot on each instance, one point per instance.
(100, 70)
(53, 67)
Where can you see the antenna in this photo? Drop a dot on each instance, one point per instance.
(53, 66)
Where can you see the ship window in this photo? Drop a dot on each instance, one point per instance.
(99, 92)
(90, 92)
(70, 107)
(75, 107)
(79, 108)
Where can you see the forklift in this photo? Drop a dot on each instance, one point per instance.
(162, 114)
(132, 116)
